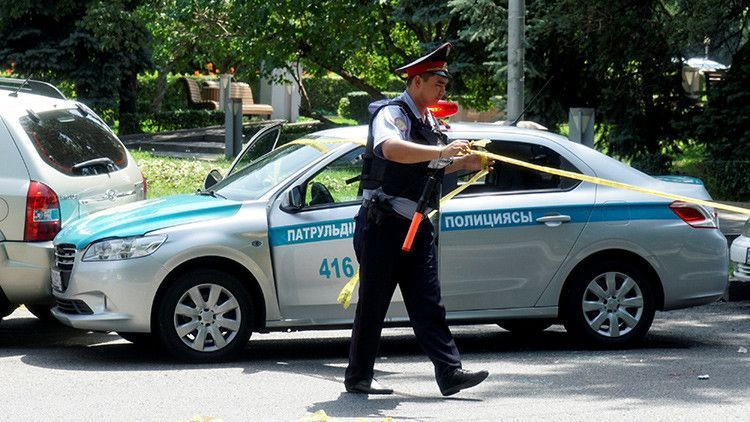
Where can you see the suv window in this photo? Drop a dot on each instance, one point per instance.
(511, 178)
(338, 182)
(66, 138)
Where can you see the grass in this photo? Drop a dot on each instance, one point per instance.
(169, 176)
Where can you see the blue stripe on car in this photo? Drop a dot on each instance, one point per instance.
(485, 219)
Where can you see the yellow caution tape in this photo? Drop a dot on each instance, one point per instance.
(600, 181)
(345, 296)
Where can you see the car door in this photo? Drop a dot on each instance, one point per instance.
(311, 246)
(264, 141)
(502, 240)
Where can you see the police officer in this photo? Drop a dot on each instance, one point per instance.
(404, 149)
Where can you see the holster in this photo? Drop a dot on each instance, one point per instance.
(378, 209)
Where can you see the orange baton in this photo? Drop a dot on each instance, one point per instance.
(418, 214)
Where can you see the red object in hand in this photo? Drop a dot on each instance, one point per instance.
(443, 109)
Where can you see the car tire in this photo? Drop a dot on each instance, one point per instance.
(525, 326)
(6, 308)
(609, 304)
(205, 316)
(43, 312)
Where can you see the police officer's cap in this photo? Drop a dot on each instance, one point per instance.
(435, 62)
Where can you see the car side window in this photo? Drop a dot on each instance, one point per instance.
(507, 177)
(337, 183)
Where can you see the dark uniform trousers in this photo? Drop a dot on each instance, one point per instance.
(382, 265)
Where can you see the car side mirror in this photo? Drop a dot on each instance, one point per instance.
(213, 177)
(293, 201)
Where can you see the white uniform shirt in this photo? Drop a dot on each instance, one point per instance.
(392, 123)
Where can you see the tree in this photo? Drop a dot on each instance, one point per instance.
(99, 46)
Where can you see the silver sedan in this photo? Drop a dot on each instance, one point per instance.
(269, 248)
(740, 254)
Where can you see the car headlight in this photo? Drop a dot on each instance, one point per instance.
(125, 248)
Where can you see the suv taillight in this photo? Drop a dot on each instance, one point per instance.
(42, 213)
(695, 215)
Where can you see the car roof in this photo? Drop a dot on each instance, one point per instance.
(11, 105)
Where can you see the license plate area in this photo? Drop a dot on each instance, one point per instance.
(60, 280)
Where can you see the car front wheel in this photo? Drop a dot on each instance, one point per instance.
(205, 316)
(610, 304)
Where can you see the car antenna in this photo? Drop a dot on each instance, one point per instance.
(15, 93)
(531, 101)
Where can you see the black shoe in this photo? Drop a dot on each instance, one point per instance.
(370, 386)
(461, 379)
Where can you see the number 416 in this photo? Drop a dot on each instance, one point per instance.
(335, 268)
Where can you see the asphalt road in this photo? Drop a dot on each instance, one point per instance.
(51, 373)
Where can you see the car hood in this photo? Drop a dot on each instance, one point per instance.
(139, 218)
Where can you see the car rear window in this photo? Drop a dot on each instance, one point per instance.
(74, 142)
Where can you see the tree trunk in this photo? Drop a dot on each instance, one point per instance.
(129, 122)
(161, 88)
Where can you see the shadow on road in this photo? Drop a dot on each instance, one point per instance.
(680, 346)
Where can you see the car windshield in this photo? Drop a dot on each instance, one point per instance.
(74, 142)
(263, 174)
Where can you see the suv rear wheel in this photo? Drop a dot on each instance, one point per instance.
(6, 308)
(205, 316)
(43, 312)
(611, 304)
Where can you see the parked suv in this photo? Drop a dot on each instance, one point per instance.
(60, 161)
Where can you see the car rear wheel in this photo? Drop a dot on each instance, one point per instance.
(205, 316)
(6, 308)
(525, 326)
(610, 303)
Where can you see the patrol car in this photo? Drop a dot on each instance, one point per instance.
(269, 248)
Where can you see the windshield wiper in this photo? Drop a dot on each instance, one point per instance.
(103, 161)
(211, 193)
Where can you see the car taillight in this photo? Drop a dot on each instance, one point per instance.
(42, 213)
(695, 215)
(443, 109)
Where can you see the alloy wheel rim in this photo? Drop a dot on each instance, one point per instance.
(612, 304)
(207, 317)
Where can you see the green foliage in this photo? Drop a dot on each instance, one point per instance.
(174, 98)
(653, 164)
(724, 125)
(727, 180)
(174, 120)
(171, 176)
(97, 45)
(355, 105)
(325, 93)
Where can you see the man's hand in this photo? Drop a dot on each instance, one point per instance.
(471, 162)
(454, 148)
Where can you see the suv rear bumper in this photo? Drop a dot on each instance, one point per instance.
(25, 271)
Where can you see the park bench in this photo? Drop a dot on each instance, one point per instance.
(207, 97)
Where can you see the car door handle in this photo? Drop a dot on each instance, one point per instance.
(553, 220)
